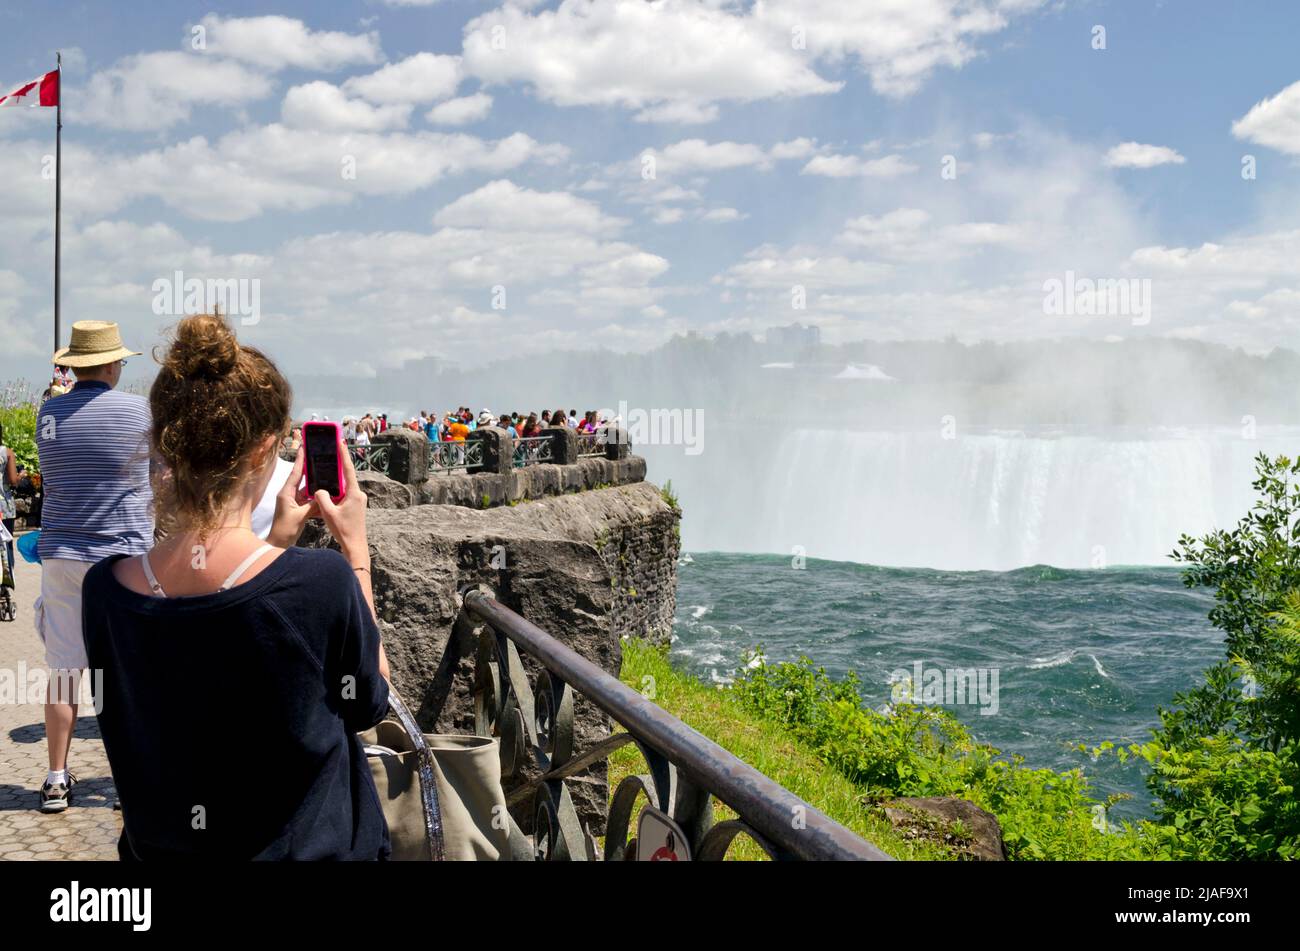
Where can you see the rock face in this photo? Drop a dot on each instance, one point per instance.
(588, 568)
(978, 836)
(383, 492)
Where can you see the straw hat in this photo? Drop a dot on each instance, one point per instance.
(94, 343)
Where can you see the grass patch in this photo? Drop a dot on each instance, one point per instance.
(766, 746)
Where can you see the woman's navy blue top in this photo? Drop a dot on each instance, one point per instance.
(230, 719)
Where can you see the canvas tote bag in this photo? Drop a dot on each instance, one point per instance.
(441, 793)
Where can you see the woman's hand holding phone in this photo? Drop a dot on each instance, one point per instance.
(346, 520)
(292, 506)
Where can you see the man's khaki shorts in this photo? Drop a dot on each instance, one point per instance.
(58, 613)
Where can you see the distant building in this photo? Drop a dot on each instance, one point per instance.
(794, 337)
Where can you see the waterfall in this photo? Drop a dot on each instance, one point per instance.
(993, 500)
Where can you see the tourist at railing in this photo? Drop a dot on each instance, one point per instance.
(455, 427)
(209, 606)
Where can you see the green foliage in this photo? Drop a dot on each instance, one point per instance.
(913, 750)
(670, 497)
(19, 424)
(1225, 761)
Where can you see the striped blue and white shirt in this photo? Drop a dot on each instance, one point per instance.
(94, 450)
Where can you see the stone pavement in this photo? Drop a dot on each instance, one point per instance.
(89, 828)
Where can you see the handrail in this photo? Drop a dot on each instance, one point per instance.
(792, 827)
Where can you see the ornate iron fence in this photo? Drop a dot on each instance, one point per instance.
(686, 770)
(530, 450)
(591, 444)
(449, 456)
(369, 458)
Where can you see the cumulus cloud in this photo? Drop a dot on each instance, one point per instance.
(1137, 155)
(670, 61)
(278, 42)
(422, 78)
(157, 90)
(675, 60)
(250, 172)
(1273, 122)
(504, 206)
(322, 105)
(855, 166)
(462, 111)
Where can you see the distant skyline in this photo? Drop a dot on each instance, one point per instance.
(469, 180)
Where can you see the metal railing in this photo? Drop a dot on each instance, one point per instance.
(370, 457)
(591, 444)
(449, 456)
(686, 769)
(531, 450)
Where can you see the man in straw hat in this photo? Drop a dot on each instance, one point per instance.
(94, 452)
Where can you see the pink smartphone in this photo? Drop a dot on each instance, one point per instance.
(323, 443)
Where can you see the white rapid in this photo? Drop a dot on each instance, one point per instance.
(994, 500)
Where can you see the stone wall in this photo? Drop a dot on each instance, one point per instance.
(488, 489)
(589, 567)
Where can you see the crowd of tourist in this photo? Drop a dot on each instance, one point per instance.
(456, 426)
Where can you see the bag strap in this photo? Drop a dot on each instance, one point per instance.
(428, 782)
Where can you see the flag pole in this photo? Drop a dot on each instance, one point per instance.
(58, 194)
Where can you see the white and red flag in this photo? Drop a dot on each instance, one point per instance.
(39, 92)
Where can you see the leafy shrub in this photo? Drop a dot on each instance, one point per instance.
(19, 424)
(1224, 760)
(914, 750)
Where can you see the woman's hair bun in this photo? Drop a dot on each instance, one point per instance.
(204, 347)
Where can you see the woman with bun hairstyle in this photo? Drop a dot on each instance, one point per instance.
(237, 673)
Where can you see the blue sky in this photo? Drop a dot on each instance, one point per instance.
(514, 174)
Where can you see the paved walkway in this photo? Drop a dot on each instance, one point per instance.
(89, 828)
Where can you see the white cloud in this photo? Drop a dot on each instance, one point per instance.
(854, 166)
(718, 215)
(794, 149)
(322, 105)
(897, 44)
(250, 172)
(670, 60)
(1273, 122)
(774, 268)
(504, 206)
(908, 234)
(157, 90)
(668, 216)
(278, 42)
(674, 60)
(424, 77)
(1137, 155)
(691, 155)
(462, 111)
(681, 112)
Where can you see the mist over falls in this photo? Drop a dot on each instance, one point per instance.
(1075, 453)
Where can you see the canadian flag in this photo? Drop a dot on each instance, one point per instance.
(38, 92)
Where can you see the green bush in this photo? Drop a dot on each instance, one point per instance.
(1225, 761)
(914, 750)
(19, 424)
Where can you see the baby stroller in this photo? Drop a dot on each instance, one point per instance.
(8, 611)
